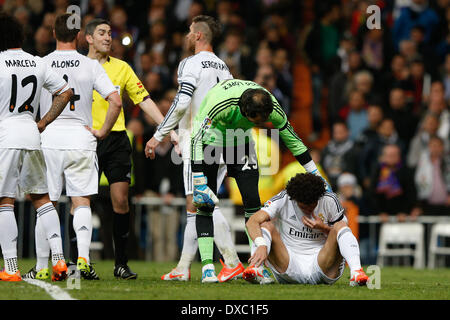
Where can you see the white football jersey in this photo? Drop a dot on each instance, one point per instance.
(295, 235)
(22, 77)
(83, 75)
(197, 74)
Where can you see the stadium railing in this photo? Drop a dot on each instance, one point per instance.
(26, 215)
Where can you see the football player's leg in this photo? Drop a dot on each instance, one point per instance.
(8, 238)
(205, 228)
(42, 246)
(341, 244)
(232, 267)
(82, 224)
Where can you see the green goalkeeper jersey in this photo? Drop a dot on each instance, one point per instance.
(219, 121)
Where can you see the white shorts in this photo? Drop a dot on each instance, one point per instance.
(187, 176)
(76, 170)
(22, 171)
(304, 269)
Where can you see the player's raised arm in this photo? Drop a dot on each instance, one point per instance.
(279, 119)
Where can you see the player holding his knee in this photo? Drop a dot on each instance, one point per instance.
(303, 237)
(222, 128)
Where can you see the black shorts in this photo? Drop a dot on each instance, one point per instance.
(242, 165)
(114, 157)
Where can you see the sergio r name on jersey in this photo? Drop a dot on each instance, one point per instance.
(197, 74)
(296, 236)
(22, 76)
(82, 74)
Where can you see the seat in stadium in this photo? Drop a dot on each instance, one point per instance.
(440, 229)
(405, 234)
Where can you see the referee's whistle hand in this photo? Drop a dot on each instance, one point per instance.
(150, 148)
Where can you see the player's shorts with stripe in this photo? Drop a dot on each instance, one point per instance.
(304, 269)
(187, 176)
(76, 170)
(24, 169)
(114, 157)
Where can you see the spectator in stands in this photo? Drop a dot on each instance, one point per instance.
(363, 81)
(375, 115)
(446, 78)
(355, 114)
(419, 143)
(237, 55)
(420, 85)
(350, 193)
(408, 49)
(283, 73)
(339, 155)
(432, 178)
(43, 42)
(417, 13)
(341, 84)
(438, 106)
(375, 46)
(400, 112)
(265, 77)
(371, 152)
(392, 186)
(396, 76)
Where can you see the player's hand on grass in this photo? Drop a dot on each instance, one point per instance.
(150, 148)
(203, 195)
(99, 134)
(315, 222)
(258, 257)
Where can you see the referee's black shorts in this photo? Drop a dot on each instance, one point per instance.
(114, 157)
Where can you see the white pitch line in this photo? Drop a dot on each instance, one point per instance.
(54, 291)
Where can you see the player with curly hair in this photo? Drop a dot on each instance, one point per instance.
(309, 242)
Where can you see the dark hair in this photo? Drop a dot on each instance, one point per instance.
(254, 102)
(213, 27)
(94, 23)
(63, 32)
(306, 188)
(11, 35)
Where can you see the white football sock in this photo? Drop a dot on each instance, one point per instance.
(349, 248)
(52, 228)
(223, 239)
(8, 238)
(42, 246)
(190, 243)
(82, 224)
(267, 236)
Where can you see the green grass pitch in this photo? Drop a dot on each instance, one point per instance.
(396, 283)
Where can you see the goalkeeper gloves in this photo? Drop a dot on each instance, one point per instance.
(327, 185)
(203, 195)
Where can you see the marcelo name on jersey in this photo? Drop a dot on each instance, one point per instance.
(20, 63)
(214, 64)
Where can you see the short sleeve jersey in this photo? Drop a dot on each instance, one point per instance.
(125, 80)
(22, 77)
(83, 75)
(288, 218)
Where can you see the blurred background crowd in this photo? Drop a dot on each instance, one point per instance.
(372, 105)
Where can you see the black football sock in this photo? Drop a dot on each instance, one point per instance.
(121, 229)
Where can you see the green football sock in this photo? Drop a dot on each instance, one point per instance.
(206, 248)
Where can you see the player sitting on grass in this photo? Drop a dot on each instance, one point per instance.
(302, 236)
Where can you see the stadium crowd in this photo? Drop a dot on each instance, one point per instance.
(371, 104)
